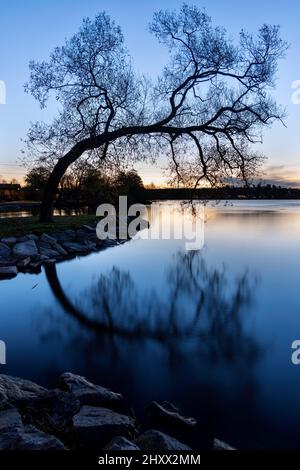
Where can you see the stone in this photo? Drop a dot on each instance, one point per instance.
(9, 240)
(70, 233)
(50, 253)
(4, 250)
(94, 426)
(167, 414)
(33, 237)
(157, 440)
(8, 272)
(57, 247)
(75, 247)
(8, 262)
(48, 239)
(52, 411)
(121, 443)
(14, 390)
(25, 249)
(23, 263)
(86, 392)
(14, 435)
(221, 445)
(89, 228)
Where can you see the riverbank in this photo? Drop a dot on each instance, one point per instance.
(63, 240)
(79, 415)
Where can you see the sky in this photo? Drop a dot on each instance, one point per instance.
(31, 29)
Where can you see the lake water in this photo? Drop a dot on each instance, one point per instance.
(209, 330)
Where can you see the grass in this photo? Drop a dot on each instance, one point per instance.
(18, 226)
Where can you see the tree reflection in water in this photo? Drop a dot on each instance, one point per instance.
(199, 307)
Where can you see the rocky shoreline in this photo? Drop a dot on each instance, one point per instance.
(28, 253)
(79, 415)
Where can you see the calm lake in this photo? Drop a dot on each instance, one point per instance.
(209, 330)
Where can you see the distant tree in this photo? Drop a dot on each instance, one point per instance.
(208, 106)
(37, 178)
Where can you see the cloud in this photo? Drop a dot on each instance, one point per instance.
(282, 175)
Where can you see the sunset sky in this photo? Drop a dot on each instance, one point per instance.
(31, 29)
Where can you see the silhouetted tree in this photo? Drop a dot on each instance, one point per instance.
(209, 104)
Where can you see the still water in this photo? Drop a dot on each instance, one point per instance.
(208, 330)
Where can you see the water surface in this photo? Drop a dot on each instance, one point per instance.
(210, 331)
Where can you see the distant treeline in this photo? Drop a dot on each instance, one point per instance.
(251, 192)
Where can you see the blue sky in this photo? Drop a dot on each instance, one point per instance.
(30, 30)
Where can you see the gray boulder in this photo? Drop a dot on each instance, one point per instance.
(95, 426)
(25, 249)
(14, 435)
(73, 247)
(8, 272)
(48, 239)
(121, 443)
(9, 240)
(52, 411)
(49, 252)
(157, 440)
(168, 415)
(14, 390)
(86, 392)
(221, 445)
(4, 250)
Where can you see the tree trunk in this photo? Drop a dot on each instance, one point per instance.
(46, 211)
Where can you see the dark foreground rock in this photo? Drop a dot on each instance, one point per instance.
(157, 440)
(52, 411)
(167, 414)
(95, 426)
(14, 390)
(86, 392)
(220, 445)
(34, 418)
(121, 443)
(14, 435)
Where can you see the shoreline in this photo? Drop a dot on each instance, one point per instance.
(80, 415)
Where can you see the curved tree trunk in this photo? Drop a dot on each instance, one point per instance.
(52, 184)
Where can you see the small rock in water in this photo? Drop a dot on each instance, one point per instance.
(168, 414)
(157, 440)
(8, 272)
(86, 392)
(221, 445)
(95, 426)
(121, 443)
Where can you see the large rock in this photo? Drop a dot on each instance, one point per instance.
(60, 249)
(221, 445)
(157, 440)
(121, 443)
(86, 392)
(49, 252)
(73, 247)
(168, 415)
(52, 412)
(95, 426)
(25, 249)
(14, 435)
(9, 240)
(14, 390)
(8, 272)
(48, 239)
(4, 250)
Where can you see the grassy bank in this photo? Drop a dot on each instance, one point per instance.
(18, 226)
